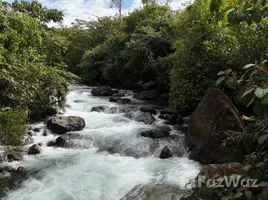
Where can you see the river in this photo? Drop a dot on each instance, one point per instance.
(90, 172)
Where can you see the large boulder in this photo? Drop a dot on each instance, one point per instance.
(147, 118)
(62, 125)
(147, 95)
(214, 115)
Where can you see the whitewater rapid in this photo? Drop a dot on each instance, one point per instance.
(92, 173)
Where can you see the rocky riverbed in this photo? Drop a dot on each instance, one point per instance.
(103, 146)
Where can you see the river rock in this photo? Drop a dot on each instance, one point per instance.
(14, 156)
(147, 118)
(27, 140)
(35, 149)
(225, 169)
(61, 125)
(155, 133)
(21, 170)
(36, 129)
(129, 114)
(149, 109)
(164, 97)
(102, 91)
(62, 141)
(214, 115)
(165, 153)
(78, 101)
(51, 144)
(98, 109)
(156, 192)
(114, 99)
(169, 111)
(8, 168)
(125, 100)
(147, 95)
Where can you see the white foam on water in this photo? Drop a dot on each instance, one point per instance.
(87, 174)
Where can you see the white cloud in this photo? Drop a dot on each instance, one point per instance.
(90, 9)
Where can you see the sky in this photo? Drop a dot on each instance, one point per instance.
(90, 9)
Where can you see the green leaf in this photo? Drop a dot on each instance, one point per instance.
(249, 90)
(251, 102)
(260, 164)
(262, 139)
(263, 184)
(257, 108)
(265, 100)
(260, 92)
(220, 80)
(249, 66)
(256, 17)
(248, 195)
(237, 195)
(224, 198)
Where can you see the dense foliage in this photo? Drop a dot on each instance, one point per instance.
(31, 65)
(178, 52)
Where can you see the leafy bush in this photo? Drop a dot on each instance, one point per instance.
(32, 69)
(253, 83)
(12, 125)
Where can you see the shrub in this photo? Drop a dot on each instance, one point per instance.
(12, 125)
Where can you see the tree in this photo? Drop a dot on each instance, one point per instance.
(36, 10)
(118, 5)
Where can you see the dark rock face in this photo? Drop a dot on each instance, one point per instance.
(155, 133)
(149, 109)
(35, 149)
(147, 95)
(61, 125)
(165, 153)
(98, 109)
(214, 115)
(147, 118)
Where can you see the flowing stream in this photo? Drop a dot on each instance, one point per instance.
(108, 162)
